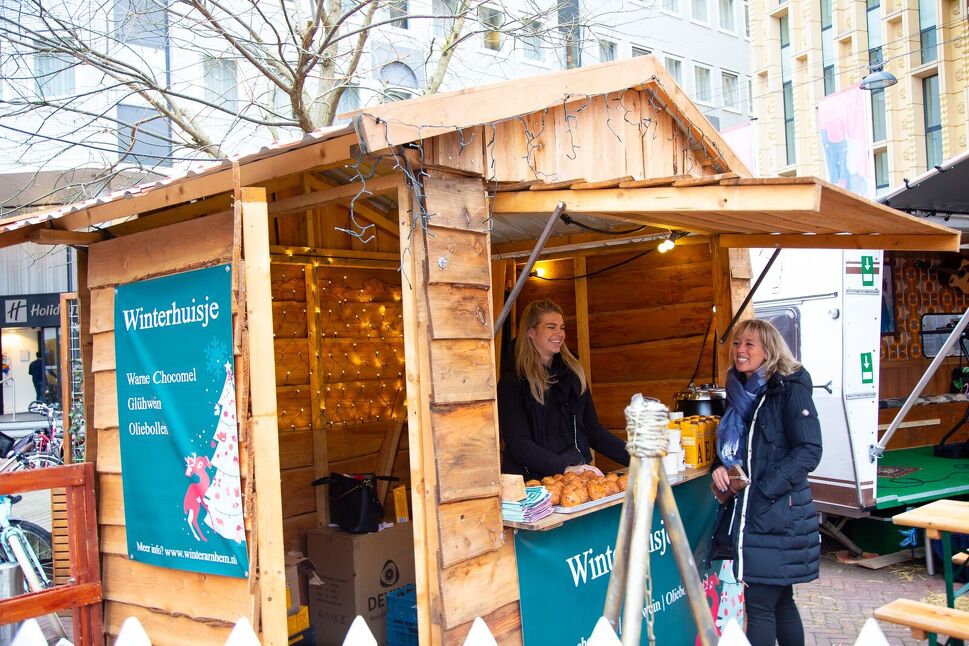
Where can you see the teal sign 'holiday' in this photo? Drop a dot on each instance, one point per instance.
(177, 423)
(868, 271)
(867, 369)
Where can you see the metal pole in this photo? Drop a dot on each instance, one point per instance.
(522, 277)
(11, 585)
(750, 295)
(685, 563)
(876, 451)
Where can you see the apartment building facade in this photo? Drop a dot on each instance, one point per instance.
(805, 50)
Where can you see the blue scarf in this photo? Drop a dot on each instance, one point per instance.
(741, 397)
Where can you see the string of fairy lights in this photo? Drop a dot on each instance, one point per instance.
(353, 366)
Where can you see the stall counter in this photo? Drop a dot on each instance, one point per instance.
(564, 562)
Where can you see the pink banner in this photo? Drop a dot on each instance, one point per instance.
(843, 125)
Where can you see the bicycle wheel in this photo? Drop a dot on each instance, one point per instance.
(36, 461)
(40, 541)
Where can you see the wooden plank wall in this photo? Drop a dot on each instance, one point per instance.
(352, 394)
(593, 138)
(175, 607)
(339, 347)
(647, 320)
(460, 547)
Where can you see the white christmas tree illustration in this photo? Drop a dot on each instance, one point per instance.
(224, 495)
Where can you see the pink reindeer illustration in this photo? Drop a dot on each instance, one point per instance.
(195, 495)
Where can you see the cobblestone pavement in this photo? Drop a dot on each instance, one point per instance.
(836, 605)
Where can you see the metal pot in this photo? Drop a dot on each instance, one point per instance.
(705, 399)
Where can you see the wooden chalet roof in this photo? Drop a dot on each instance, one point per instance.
(745, 212)
(795, 212)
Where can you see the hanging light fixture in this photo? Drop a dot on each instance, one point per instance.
(670, 242)
(878, 80)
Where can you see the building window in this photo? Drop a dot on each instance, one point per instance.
(928, 34)
(571, 29)
(728, 13)
(675, 68)
(933, 121)
(750, 96)
(607, 51)
(730, 85)
(397, 10)
(532, 42)
(398, 80)
(827, 47)
(445, 12)
(220, 82)
(282, 103)
(875, 63)
(490, 19)
(140, 22)
(640, 51)
(881, 171)
(787, 86)
(699, 10)
(349, 101)
(673, 6)
(747, 19)
(53, 75)
(701, 84)
(144, 137)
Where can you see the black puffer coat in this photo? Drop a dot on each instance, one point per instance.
(772, 524)
(543, 439)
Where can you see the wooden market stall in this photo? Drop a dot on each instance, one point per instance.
(369, 262)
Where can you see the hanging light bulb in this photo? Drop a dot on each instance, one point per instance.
(665, 246)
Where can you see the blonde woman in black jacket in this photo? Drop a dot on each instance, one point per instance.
(545, 412)
(770, 528)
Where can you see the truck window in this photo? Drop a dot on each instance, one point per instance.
(787, 320)
(935, 329)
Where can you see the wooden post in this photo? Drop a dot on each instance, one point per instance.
(460, 547)
(321, 460)
(268, 525)
(731, 280)
(582, 338)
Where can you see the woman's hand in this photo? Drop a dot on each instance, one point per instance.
(721, 478)
(579, 468)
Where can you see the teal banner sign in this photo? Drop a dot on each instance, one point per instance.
(563, 575)
(177, 422)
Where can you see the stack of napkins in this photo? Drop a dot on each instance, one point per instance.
(536, 504)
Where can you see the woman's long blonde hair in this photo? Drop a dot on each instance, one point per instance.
(528, 363)
(779, 358)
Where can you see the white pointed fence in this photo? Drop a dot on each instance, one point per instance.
(133, 634)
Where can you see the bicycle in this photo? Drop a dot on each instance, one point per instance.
(27, 544)
(23, 454)
(32, 548)
(49, 440)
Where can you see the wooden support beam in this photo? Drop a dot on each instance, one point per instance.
(74, 238)
(320, 154)
(363, 207)
(334, 262)
(798, 199)
(374, 185)
(268, 526)
(334, 253)
(888, 242)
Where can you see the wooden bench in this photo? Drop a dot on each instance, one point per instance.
(960, 558)
(926, 620)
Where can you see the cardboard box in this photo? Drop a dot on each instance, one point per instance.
(295, 597)
(354, 574)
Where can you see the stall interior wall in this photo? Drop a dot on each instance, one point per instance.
(174, 606)
(339, 350)
(920, 284)
(647, 321)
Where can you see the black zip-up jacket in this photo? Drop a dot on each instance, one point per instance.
(543, 439)
(772, 524)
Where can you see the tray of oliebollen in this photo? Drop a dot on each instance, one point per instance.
(599, 502)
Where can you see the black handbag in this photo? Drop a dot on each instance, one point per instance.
(354, 504)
